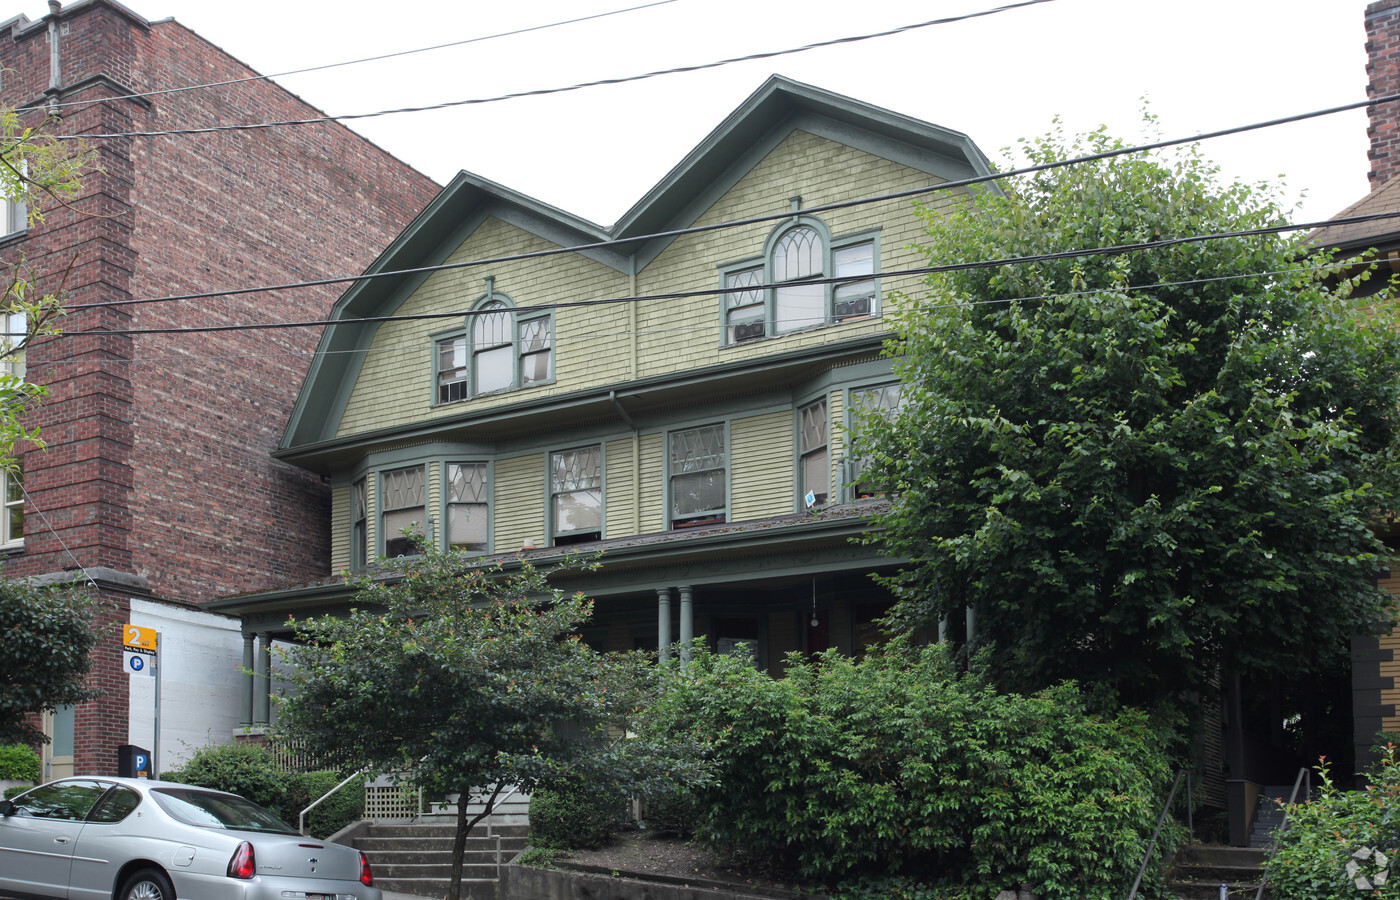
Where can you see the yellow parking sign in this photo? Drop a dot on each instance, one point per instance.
(135, 637)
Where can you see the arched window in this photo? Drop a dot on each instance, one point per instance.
(502, 348)
(797, 256)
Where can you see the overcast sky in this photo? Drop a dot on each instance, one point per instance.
(1201, 64)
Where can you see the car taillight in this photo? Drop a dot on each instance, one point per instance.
(243, 865)
(366, 876)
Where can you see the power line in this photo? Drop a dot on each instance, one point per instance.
(1081, 253)
(625, 79)
(772, 217)
(621, 333)
(364, 59)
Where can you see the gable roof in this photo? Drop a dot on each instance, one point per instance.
(779, 107)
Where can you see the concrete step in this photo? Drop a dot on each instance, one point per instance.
(1206, 890)
(446, 830)
(421, 873)
(437, 887)
(435, 857)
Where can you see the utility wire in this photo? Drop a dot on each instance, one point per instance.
(1081, 253)
(364, 59)
(687, 329)
(772, 217)
(625, 79)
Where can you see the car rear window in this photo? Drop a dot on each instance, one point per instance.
(210, 810)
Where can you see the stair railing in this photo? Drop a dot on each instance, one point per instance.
(1161, 820)
(301, 819)
(1304, 776)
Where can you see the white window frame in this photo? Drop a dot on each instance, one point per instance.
(12, 519)
(14, 212)
(454, 387)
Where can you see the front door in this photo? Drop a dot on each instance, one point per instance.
(37, 840)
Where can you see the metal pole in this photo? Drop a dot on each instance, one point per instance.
(155, 750)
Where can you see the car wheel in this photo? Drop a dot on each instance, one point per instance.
(147, 884)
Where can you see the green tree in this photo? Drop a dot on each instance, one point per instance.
(1138, 469)
(48, 627)
(462, 678)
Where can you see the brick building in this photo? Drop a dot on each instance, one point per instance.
(158, 480)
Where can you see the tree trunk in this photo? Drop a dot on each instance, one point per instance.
(459, 840)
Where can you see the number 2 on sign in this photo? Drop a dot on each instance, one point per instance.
(138, 637)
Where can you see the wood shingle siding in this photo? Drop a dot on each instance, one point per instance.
(761, 464)
(520, 502)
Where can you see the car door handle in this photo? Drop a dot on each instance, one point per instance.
(63, 839)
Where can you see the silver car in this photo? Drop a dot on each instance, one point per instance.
(132, 839)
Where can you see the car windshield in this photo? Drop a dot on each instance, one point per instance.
(211, 810)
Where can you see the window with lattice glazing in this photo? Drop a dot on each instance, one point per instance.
(468, 507)
(576, 494)
(882, 400)
(812, 444)
(359, 525)
(404, 505)
(699, 476)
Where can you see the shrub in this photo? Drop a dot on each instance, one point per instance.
(19, 763)
(340, 809)
(573, 814)
(240, 768)
(13, 792)
(1332, 841)
(901, 765)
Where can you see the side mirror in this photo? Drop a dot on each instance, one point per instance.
(7, 808)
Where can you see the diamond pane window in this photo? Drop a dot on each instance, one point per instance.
(468, 507)
(536, 350)
(576, 494)
(699, 476)
(816, 470)
(405, 508)
(745, 312)
(877, 401)
(359, 525)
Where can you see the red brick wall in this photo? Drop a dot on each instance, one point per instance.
(158, 458)
(1383, 72)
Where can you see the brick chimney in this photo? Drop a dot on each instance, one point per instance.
(1383, 72)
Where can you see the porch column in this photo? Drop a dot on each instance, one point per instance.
(971, 627)
(262, 680)
(663, 624)
(247, 708)
(687, 623)
(943, 630)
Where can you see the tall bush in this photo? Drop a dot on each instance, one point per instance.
(1339, 844)
(249, 770)
(19, 763)
(899, 764)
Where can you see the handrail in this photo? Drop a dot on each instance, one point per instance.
(1161, 820)
(301, 819)
(1303, 775)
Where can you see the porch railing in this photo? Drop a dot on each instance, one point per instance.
(1161, 820)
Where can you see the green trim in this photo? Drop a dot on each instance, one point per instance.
(763, 121)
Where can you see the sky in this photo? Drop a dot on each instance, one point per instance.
(1199, 65)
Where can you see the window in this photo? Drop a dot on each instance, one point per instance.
(404, 504)
(698, 476)
(811, 440)
(12, 344)
(882, 400)
(12, 522)
(14, 214)
(502, 349)
(468, 507)
(68, 800)
(798, 257)
(453, 383)
(576, 495)
(359, 525)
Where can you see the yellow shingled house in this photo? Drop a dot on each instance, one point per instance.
(676, 395)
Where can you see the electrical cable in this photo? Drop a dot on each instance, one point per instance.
(1081, 253)
(625, 79)
(688, 329)
(363, 59)
(770, 217)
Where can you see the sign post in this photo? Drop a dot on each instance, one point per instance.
(141, 657)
